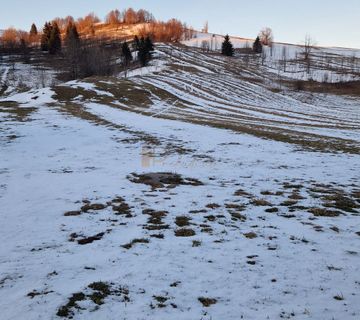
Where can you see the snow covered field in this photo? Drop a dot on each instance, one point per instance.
(179, 194)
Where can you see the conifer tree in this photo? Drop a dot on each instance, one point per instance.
(257, 46)
(149, 44)
(45, 37)
(227, 48)
(33, 34)
(33, 30)
(126, 53)
(136, 43)
(72, 50)
(144, 54)
(55, 40)
(71, 33)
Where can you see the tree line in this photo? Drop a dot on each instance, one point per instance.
(91, 24)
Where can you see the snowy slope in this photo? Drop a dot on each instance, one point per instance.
(249, 263)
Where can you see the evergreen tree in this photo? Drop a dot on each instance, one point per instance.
(257, 46)
(149, 44)
(136, 43)
(73, 52)
(144, 54)
(33, 30)
(126, 53)
(54, 40)
(45, 37)
(33, 34)
(227, 48)
(72, 38)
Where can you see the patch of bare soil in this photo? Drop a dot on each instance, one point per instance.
(160, 180)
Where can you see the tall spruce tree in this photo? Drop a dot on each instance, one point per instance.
(71, 33)
(149, 44)
(257, 46)
(72, 49)
(126, 53)
(33, 34)
(33, 30)
(136, 43)
(55, 39)
(144, 54)
(227, 48)
(45, 37)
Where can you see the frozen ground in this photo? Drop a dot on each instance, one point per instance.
(263, 231)
(194, 189)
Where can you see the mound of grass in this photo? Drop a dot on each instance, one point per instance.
(321, 212)
(184, 232)
(182, 221)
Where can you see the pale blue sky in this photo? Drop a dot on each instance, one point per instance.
(330, 22)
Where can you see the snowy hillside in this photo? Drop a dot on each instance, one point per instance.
(329, 64)
(199, 187)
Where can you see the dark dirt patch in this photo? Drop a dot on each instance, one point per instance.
(163, 179)
(72, 213)
(272, 210)
(91, 239)
(36, 293)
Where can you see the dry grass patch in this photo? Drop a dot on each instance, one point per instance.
(184, 232)
(133, 242)
(321, 212)
(207, 302)
(182, 221)
(95, 206)
(242, 193)
(250, 235)
(213, 206)
(260, 202)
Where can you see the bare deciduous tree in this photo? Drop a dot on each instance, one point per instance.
(113, 17)
(206, 27)
(266, 36)
(205, 45)
(309, 44)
